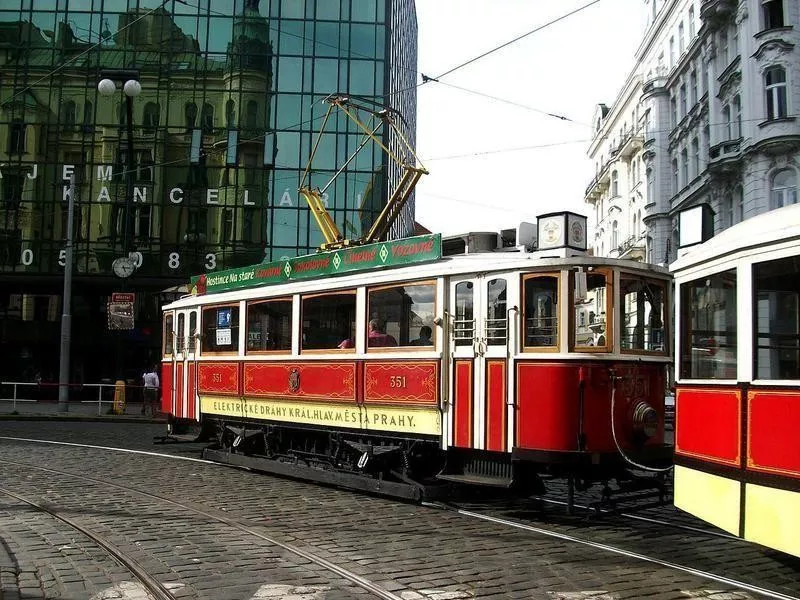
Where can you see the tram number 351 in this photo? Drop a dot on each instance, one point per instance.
(397, 381)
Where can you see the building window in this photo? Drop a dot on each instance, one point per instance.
(207, 118)
(723, 49)
(151, 116)
(142, 220)
(693, 80)
(685, 166)
(614, 235)
(783, 188)
(691, 22)
(227, 225)
(88, 116)
(614, 184)
(16, 137)
(680, 39)
(190, 113)
(773, 13)
(695, 157)
(728, 211)
(726, 122)
(675, 183)
(738, 199)
(775, 85)
(734, 41)
(683, 100)
(230, 114)
(252, 114)
(68, 115)
(736, 125)
(673, 104)
(651, 186)
(671, 52)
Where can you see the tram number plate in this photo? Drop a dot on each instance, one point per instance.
(216, 377)
(397, 381)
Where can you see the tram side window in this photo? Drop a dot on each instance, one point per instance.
(641, 314)
(593, 333)
(464, 322)
(180, 340)
(269, 325)
(776, 290)
(221, 328)
(708, 327)
(401, 315)
(329, 321)
(541, 311)
(496, 315)
(168, 324)
(190, 342)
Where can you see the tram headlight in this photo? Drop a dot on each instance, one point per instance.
(645, 419)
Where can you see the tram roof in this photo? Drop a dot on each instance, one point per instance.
(455, 265)
(774, 227)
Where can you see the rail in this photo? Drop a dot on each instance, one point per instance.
(100, 400)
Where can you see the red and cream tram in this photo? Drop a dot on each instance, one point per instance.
(384, 365)
(737, 455)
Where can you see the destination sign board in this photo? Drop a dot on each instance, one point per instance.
(423, 248)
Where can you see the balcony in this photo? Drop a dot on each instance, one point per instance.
(631, 144)
(716, 11)
(600, 182)
(725, 157)
(633, 248)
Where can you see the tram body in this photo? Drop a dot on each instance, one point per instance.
(516, 379)
(737, 404)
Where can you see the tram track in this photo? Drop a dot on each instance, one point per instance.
(153, 586)
(339, 571)
(471, 511)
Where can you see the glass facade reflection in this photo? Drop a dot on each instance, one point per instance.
(229, 109)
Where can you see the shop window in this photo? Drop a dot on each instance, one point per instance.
(541, 311)
(269, 326)
(220, 329)
(329, 321)
(776, 335)
(401, 315)
(642, 314)
(708, 327)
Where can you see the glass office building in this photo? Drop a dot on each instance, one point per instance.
(231, 102)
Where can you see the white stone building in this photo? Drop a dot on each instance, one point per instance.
(708, 114)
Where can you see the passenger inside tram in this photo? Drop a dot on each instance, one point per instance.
(377, 338)
(424, 338)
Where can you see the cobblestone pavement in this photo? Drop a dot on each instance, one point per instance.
(415, 551)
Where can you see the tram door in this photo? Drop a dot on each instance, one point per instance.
(184, 372)
(481, 340)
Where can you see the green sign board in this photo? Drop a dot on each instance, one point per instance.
(396, 253)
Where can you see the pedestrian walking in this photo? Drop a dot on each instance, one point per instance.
(151, 385)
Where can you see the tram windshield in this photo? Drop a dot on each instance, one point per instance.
(641, 315)
(591, 328)
(776, 291)
(708, 327)
(541, 311)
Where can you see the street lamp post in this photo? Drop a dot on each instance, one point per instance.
(125, 265)
(66, 313)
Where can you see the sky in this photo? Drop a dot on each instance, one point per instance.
(483, 174)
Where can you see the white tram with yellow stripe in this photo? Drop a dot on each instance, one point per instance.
(737, 453)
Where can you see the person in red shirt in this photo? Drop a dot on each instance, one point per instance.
(376, 338)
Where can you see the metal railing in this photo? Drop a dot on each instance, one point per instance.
(105, 393)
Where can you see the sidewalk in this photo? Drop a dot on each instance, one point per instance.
(46, 410)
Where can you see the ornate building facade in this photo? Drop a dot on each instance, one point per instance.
(230, 105)
(709, 114)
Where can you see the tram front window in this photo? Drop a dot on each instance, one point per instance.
(708, 327)
(541, 311)
(776, 291)
(641, 314)
(595, 332)
(220, 328)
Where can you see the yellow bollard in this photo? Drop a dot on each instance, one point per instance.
(119, 397)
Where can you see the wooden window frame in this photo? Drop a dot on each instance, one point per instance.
(540, 349)
(167, 331)
(250, 303)
(665, 317)
(303, 297)
(399, 348)
(609, 332)
(203, 349)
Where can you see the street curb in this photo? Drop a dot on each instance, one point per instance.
(90, 418)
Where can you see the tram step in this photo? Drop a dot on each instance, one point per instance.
(471, 479)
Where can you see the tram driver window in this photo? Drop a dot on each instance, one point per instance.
(464, 322)
(541, 311)
(595, 333)
(641, 314)
(776, 290)
(496, 315)
(708, 327)
(401, 315)
(329, 321)
(269, 326)
(220, 329)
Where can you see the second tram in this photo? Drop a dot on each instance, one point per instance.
(737, 455)
(387, 365)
